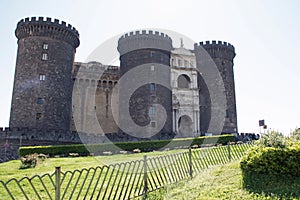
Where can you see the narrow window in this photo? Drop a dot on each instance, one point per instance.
(42, 77)
(38, 116)
(227, 114)
(152, 110)
(186, 64)
(45, 46)
(152, 68)
(192, 63)
(179, 63)
(152, 86)
(44, 56)
(153, 124)
(106, 102)
(40, 101)
(151, 54)
(174, 62)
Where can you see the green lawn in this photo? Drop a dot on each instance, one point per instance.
(226, 182)
(11, 169)
(221, 180)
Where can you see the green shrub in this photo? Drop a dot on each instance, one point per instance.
(295, 135)
(144, 146)
(272, 139)
(31, 160)
(271, 160)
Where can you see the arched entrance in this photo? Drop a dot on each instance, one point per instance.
(183, 81)
(185, 126)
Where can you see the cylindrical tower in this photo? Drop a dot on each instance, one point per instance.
(42, 93)
(222, 54)
(153, 49)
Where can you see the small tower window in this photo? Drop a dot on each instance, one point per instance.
(45, 46)
(38, 116)
(42, 77)
(151, 110)
(152, 68)
(44, 56)
(39, 100)
(227, 114)
(153, 124)
(152, 86)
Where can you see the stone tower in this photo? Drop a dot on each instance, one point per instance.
(151, 50)
(222, 55)
(42, 93)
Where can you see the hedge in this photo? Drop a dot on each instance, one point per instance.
(272, 161)
(144, 146)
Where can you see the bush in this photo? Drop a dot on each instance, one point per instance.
(271, 160)
(272, 139)
(31, 160)
(295, 135)
(144, 146)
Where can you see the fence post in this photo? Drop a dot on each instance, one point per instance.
(57, 183)
(229, 152)
(190, 162)
(145, 177)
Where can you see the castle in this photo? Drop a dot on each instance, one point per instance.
(55, 98)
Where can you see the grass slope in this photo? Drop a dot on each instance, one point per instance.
(226, 182)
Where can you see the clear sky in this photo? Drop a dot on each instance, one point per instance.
(265, 35)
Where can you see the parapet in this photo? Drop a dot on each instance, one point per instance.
(145, 39)
(55, 29)
(214, 44)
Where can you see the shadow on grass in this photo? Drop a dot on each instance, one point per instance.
(282, 187)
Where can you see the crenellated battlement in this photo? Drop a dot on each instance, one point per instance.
(145, 33)
(144, 39)
(216, 49)
(48, 27)
(214, 44)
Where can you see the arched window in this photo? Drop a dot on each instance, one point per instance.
(183, 81)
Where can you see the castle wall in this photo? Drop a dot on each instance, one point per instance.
(92, 93)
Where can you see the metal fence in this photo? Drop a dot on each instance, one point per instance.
(121, 180)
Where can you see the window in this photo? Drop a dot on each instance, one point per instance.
(152, 86)
(39, 100)
(151, 54)
(183, 81)
(179, 63)
(227, 114)
(153, 124)
(186, 64)
(44, 56)
(42, 77)
(192, 63)
(152, 110)
(152, 68)
(38, 116)
(45, 46)
(106, 102)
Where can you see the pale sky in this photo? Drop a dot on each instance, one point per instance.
(265, 35)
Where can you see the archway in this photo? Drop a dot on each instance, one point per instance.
(185, 126)
(183, 81)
